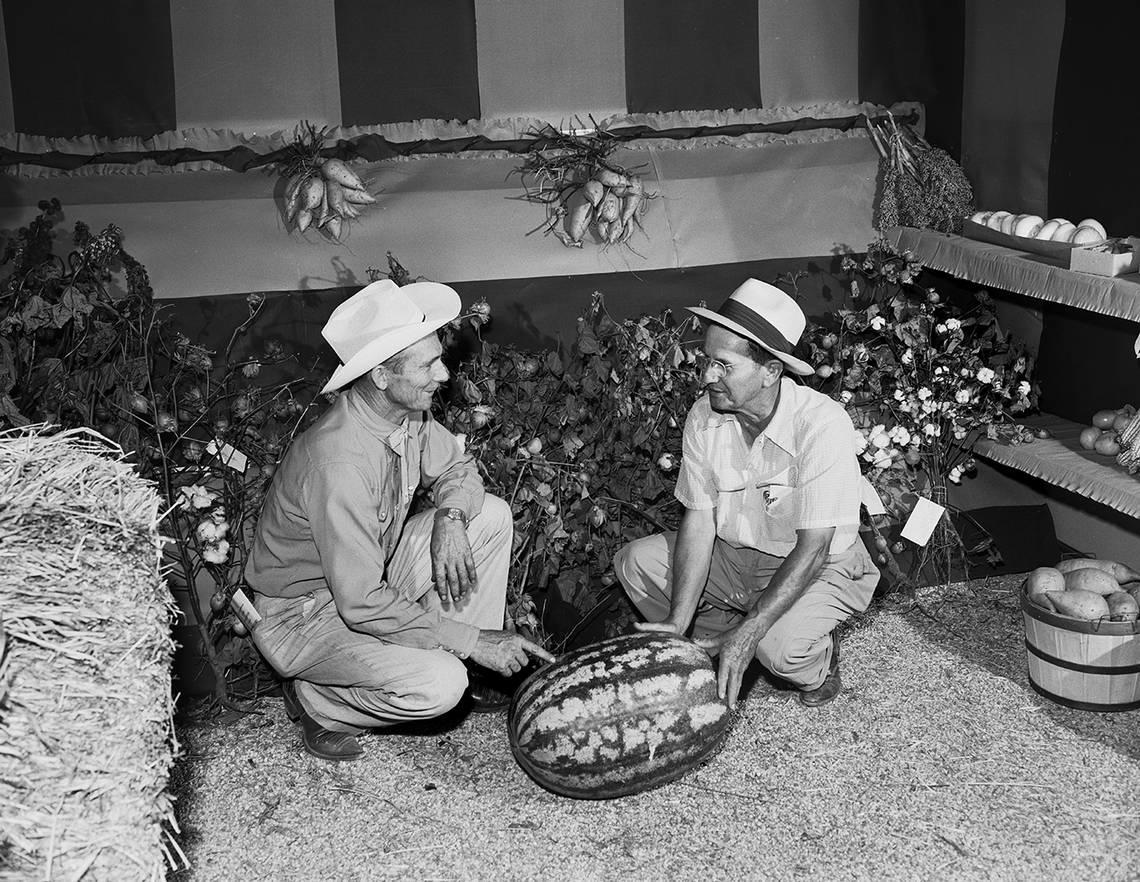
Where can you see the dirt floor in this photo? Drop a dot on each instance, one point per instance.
(937, 762)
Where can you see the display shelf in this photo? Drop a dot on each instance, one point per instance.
(1060, 460)
(1033, 275)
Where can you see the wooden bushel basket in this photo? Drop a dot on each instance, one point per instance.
(1091, 666)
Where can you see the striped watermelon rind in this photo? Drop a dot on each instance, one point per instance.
(618, 717)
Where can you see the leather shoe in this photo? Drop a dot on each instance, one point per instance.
(489, 693)
(320, 742)
(832, 685)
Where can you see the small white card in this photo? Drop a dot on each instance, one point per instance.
(230, 456)
(922, 521)
(244, 610)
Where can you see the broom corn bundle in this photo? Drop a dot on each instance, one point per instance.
(920, 185)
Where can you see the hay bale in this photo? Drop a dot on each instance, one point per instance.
(86, 734)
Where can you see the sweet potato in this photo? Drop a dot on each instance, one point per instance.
(608, 178)
(358, 197)
(593, 191)
(312, 193)
(293, 195)
(335, 193)
(610, 207)
(632, 201)
(1121, 572)
(578, 220)
(336, 170)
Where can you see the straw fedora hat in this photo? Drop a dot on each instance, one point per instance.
(381, 319)
(766, 315)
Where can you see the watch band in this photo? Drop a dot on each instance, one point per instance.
(452, 514)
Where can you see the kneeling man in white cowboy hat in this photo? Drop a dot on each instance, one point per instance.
(343, 578)
(768, 559)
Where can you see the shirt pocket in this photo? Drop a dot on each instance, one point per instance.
(777, 496)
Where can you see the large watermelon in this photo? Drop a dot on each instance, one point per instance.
(618, 717)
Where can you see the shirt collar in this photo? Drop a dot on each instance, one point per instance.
(779, 429)
(392, 434)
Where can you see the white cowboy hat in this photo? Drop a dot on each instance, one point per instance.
(766, 315)
(380, 320)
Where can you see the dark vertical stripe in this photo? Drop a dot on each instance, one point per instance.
(913, 50)
(1092, 168)
(685, 55)
(402, 60)
(86, 68)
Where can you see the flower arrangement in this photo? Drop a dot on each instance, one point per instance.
(923, 374)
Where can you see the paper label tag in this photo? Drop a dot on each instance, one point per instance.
(230, 456)
(920, 525)
(243, 609)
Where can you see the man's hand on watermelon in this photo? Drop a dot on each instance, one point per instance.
(736, 648)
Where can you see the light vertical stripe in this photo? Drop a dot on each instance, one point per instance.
(809, 51)
(255, 66)
(551, 59)
(1007, 100)
(7, 115)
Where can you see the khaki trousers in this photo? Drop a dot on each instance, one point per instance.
(349, 681)
(798, 646)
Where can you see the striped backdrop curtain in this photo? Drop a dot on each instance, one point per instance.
(137, 68)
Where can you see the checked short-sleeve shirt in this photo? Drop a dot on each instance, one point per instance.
(800, 473)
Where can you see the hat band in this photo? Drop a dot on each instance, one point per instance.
(756, 324)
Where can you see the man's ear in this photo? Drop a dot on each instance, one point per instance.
(775, 369)
(379, 377)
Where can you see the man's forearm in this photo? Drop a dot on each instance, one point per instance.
(791, 579)
(692, 556)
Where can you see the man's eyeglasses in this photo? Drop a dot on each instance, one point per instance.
(718, 369)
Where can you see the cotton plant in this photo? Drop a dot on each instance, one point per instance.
(923, 376)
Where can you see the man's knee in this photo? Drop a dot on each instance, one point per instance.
(495, 516)
(635, 560)
(790, 653)
(432, 690)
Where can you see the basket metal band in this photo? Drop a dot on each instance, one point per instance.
(1077, 666)
(1083, 705)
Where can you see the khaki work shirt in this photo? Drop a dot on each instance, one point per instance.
(334, 513)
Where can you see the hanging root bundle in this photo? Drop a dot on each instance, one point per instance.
(919, 185)
(584, 192)
(319, 192)
(86, 737)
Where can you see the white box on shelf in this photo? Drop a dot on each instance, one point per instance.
(1101, 260)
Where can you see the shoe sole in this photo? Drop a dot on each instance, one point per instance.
(331, 758)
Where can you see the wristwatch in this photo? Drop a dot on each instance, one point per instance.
(452, 514)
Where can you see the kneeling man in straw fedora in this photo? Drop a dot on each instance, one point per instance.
(767, 559)
(369, 614)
